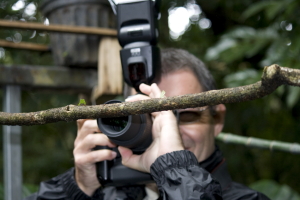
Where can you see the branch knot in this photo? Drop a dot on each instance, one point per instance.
(271, 77)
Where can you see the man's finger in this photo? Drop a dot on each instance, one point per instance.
(80, 123)
(152, 91)
(155, 91)
(137, 97)
(146, 89)
(84, 128)
(95, 156)
(130, 160)
(92, 140)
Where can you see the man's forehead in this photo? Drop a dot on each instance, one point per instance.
(180, 82)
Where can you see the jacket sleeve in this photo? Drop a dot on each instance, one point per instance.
(179, 177)
(62, 187)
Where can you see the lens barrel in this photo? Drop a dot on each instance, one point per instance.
(133, 131)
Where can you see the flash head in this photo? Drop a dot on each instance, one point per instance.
(140, 65)
(138, 35)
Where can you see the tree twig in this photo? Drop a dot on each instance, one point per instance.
(260, 143)
(273, 76)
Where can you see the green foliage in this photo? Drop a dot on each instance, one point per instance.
(46, 148)
(275, 40)
(27, 190)
(292, 96)
(275, 191)
(271, 8)
(81, 102)
(241, 42)
(243, 77)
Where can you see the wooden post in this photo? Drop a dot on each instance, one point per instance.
(12, 146)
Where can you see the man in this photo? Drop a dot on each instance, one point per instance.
(182, 159)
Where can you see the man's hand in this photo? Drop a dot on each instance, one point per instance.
(85, 157)
(165, 133)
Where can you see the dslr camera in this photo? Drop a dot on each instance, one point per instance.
(137, 22)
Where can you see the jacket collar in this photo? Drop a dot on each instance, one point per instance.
(213, 160)
(217, 166)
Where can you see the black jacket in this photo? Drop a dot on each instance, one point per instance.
(178, 176)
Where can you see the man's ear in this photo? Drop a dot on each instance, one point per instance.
(219, 118)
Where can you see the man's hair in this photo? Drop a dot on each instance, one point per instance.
(173, 59)
(177, 59)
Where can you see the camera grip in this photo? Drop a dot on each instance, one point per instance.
(114, 173)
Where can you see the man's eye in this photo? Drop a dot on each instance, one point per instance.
(189, 116)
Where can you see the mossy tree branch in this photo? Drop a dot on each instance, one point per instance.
(273, 76)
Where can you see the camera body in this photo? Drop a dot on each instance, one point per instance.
(113, 173)
(140, 59)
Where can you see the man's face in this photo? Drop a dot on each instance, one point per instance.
(198, 137)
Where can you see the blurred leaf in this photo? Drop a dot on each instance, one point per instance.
(274, 104)
(293, 96)
(291, 6)
(241, 32)
(256, 8)
(280, 90)
(241, 42)
(257, 46)
(275, 191)
(214, 52)
(244, 77)
(271, 8)
(235, 53)
(274, 8)
(28, 189)
(275, 53)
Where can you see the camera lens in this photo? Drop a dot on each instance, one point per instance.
(133, 131)
(116, 124)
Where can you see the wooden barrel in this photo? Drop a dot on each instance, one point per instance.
(77, 50)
